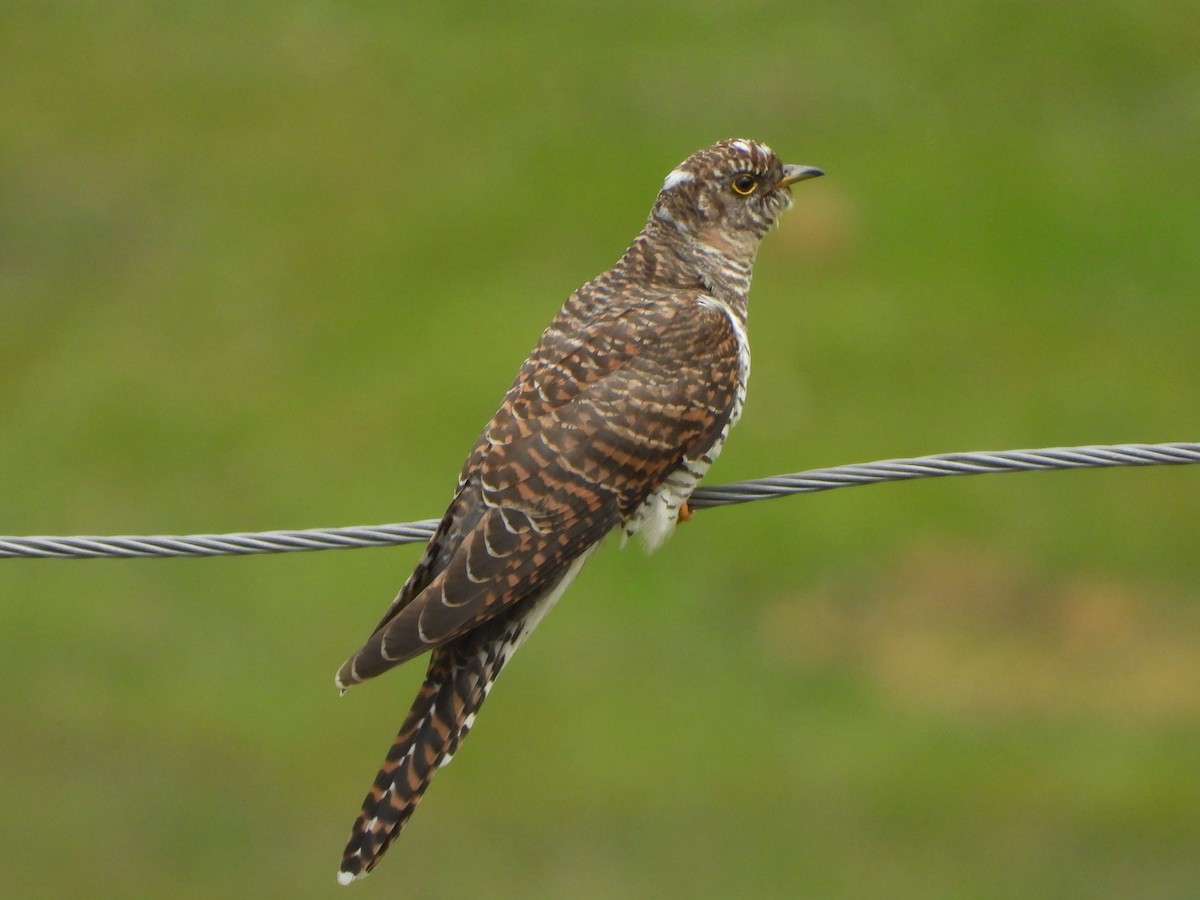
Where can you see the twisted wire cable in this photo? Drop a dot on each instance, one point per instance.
(938, 466)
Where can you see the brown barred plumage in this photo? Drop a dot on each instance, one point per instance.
(613, 419)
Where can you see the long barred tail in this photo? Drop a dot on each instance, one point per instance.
(459, 677)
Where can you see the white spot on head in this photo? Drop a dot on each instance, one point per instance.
(345, 878)
(749, 147)
(678, 176)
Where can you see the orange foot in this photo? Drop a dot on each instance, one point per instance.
(685, 512)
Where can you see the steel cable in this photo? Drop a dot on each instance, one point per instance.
(942, 465)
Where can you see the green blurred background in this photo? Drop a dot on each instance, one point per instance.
(273, 265)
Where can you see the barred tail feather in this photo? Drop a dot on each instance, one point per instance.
(461, 672)
(459, 677)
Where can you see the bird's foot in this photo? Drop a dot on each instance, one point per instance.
(685, 512)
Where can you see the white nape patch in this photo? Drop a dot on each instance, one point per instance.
(345, 878)
(676, 178)
(743, 146)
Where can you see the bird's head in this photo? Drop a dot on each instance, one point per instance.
(729, 195)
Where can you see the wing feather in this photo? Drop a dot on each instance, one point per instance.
(584, 436)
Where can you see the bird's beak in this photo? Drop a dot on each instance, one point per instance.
(792, 174)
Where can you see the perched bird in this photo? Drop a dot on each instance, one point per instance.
(612, 420)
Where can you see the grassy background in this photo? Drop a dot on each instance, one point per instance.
(272, 265)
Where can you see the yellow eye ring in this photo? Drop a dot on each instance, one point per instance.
(744, 184)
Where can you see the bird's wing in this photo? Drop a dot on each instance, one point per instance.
(597, 418)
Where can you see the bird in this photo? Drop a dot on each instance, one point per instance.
(616, 415)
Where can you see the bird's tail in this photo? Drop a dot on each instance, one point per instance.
(460, 674)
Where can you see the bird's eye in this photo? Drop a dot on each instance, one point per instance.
(744, 184)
